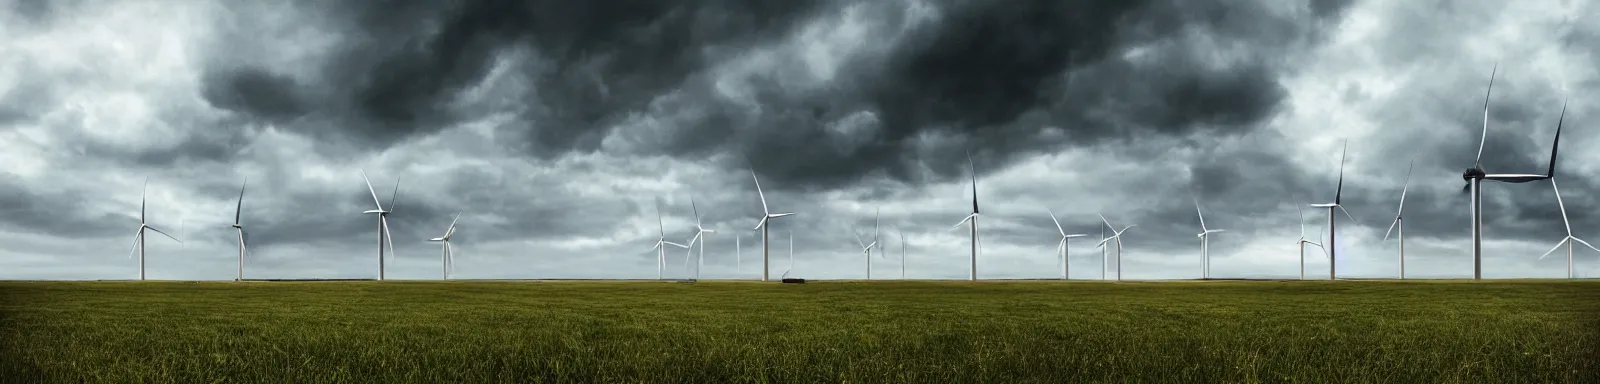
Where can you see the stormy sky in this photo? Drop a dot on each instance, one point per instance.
(556, 128)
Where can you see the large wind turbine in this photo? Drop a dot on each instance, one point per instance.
(1062, 250)
(1338, 193)
(973, 275)
(766, 217)
(1302, 242)
(661, 245)
(1476, 175)
(866, 248)
(1399, 220)
(1205, 241)
(138, 238)
(699, 233)
(243, 237)
(383, 219)
(1116, 235)
(447, 258)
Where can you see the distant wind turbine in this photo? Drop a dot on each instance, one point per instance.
(764, 225)
(243, 236)
(661, 243)
(866, 248)
(1568, 224)
(1399, 220)
(973, 274)
(383, 219)
(1332, 248)
(447, 258)
(1116, 235)
(1063, 251)
(902, 253)
(1205, 241)
(138, 238)
(699, 233)
(1302, 242)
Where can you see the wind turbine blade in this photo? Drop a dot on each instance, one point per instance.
(135, 244)
(1339, 191)
(165, 234)
(964, 221)
(1553, 249)
(758, 225)
(974, 168)
(1347, 214)
(1058, 222)
(1300, 208)
(240, 207)
(659, 226)
(1103, 220)
(1125, 229)
(374, 193)
(1557, 144)
(659, 242)
(1477, 162)
(858, 238)
(388, 236)
(694, 239)
(696, 211)
(763, 195)
(1586, 244)
(452, 229)
(1406, 187)
(142, 194)
(875, 216)
(395, 194)
(1563, 206)
(1391, 228)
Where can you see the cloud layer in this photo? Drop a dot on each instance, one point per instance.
(558, 128)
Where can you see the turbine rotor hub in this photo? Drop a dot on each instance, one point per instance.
(1473, 173)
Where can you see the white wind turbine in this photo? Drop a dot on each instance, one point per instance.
(699, 233)
(138, 238)
(1116, 235)
(902, 253)
(383, 219)
(1063, 251)
(1568, 224)
(764, 225)
(661, 245)
(1299, 208)
(866, 248)
(973, 274)
(1476, 175)
(243, 236)
(447, 258)
(1205, 241)
(1332, 249)
(791, 257)
(1399, 220)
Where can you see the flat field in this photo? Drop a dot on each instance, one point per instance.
(858, 332)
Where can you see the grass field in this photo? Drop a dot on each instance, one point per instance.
(878, 332)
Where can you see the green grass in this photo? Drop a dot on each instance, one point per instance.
(878, 332)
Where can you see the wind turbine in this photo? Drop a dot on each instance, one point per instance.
(138, 238)
(791, 258)
(383, 219)
(700, 231)
(763, 226)
(1104, 258)
(1476, 175)
(1062, 250)
(973, 275)
(1302, 242)
(1570, 238)
(243, 237)
(661, 243)
(1205, 240)
(902, 253)
(447, 258)
(866, 249)
(1399, 220)
(1116, 235)
(1338, 193)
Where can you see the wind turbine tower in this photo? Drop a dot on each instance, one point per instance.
(383, 219)
(447, 258)
(1338, 193)
(1475, 177)
(973, 274)
(1399, 220)
(1063, 252)
(138, 238)
(764, 225)
(1205, 242)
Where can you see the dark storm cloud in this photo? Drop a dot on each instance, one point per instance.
(993, 75)
(54, 213)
